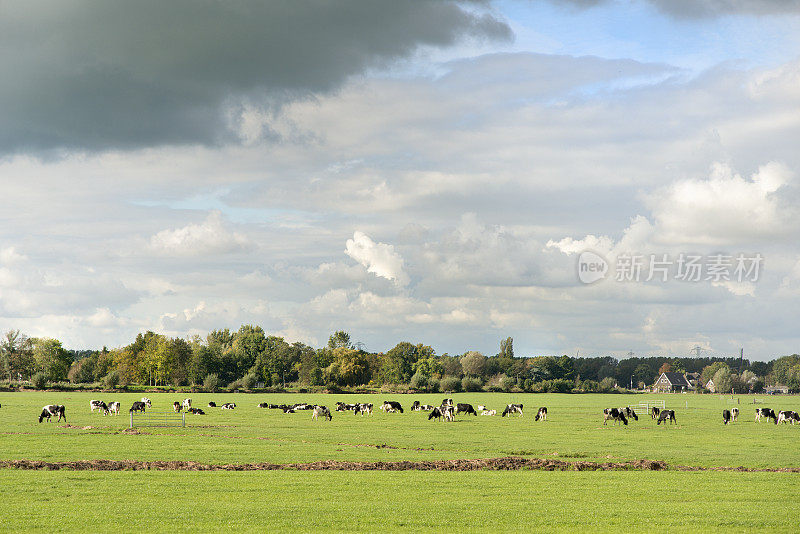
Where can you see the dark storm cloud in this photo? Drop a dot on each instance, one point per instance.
(121, 74)
(688, 9)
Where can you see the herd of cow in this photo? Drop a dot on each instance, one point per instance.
(446, 411)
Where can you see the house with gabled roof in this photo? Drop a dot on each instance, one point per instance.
(671, 382)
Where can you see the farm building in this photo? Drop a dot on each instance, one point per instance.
(669, 382)
(693, 379)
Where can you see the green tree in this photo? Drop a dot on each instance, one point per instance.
(51, 359)
(349, 367)
(340, 338)
(398, 366)
(507, 348)
(709, 371)
(473, 363)
(723, 381)
(16, 356)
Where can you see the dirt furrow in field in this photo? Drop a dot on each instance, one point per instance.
(490, 464)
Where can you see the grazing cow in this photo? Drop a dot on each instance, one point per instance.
(450, 413)
(103, 408)
(392, 406)
(615, 414)
(340, 407)
(734, 413)
(228, 406)
(667, 415)
(138, 406)
(94, 404)
(427, 407)
(262, 405)
(513, 408)
(415, 407)
(213, 404)
(52, 410)
(177, 406)
(654, 411)
(726, 417)
(766, 413)
(362, 409)
(114, 407)
(147, 402)
(787, 415)
(488, 412)
(196, 411)
(447, 402)
(630, 413)
(187, 403)
(541, 414)
(321, 411)
(466, 408)
(436, 413)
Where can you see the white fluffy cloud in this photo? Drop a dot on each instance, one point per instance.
(379, 258)
(209, 237)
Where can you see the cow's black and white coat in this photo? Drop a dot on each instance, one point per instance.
(513, 408)
(654, 412)
(463, 407)
(321, 411)
(113, 407)
(363, 409)
(228, 406)
(615, 414)
(789, 416)
(666, 415)
(52, 410)
(541, 415)
(391, 407)
(726, 417)
(766, 413)
(138, 406)
(94, 404)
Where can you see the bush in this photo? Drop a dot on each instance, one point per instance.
(418, 381)
(508, 383)
(471, 384)
(450, 384)
(39, 380)
(111, 380)
(433, 385)
(607, 384)
(249, 381)
(212, 382)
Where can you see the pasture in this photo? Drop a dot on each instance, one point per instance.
(368, 500)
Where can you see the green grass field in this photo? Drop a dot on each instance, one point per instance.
(412, 500)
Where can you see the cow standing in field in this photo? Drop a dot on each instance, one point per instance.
(103, 408)
(187, 403)
(321, 411)
(462, 407)
(726, 417)
(666, 415)
(766, 413)
(654, 412)
(138, 406)
(787, 415)
(391, 407)
(365, 408)
(541, 415)
(94, 404)
(734, 414)
(629, 413)
(51, 410)
(177, 406)
(513, 408)
(147, 402)
(615, 414)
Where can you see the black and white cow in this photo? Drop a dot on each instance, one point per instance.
(228, 406)
(436, 413)
(726, 417)
(321, 411)
(138, 406)
(654, 412)
(615, 414)
(196, 411)
(261, 405)
(766, 413)
(94, 404)
(447, 402)
(465, 408)
(488, 412)
(426, 407)
(147, 402)
(177, 406)
(629, 413)
(103, 408)
(213, 404)
(52, 410)
(787, 416)
(365, 408)
(416, 406)
(734, 414)
(667, 415)
(113, 407)
(541, 414)
(187, 403)
(513, 408)
(391, 407)
(341, 407)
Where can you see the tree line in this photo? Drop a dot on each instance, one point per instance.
(249, 358)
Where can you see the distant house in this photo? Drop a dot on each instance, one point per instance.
(670, 382)
(711, 387)
(776, 390)
(693, 379)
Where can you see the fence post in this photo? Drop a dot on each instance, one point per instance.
(183, 419)
(131, 419)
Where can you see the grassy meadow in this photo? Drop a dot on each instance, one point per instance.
(411, 500)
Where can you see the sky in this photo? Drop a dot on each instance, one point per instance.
(590, 177)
